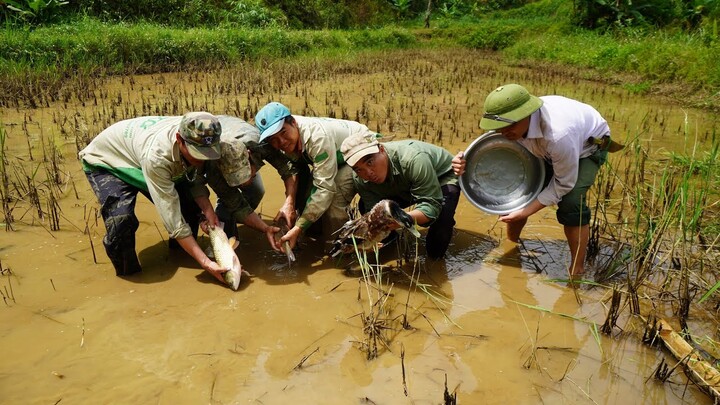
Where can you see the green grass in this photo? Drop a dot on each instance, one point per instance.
(539, 32)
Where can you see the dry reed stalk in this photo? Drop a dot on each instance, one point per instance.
(613, 312)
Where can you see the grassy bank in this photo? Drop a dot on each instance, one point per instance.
(678, 63)
(35, 64)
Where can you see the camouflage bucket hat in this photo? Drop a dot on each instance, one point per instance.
(507, 105)
(235, 162)
(201, 132)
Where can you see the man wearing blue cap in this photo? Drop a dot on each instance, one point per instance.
(152, 156)
(316, 142)
(572, 137)
(236, 181)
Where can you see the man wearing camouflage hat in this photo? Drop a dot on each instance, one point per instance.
(236, 181)
(572, 137)
(155, 156)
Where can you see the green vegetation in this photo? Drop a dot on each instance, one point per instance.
(652, 42)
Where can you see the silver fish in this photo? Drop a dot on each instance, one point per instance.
(283, 230)
(223, 250)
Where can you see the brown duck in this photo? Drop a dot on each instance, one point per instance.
(369, 230)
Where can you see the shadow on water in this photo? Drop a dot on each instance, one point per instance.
(159, 263)
(494, 333)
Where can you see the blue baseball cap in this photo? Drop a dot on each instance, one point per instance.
(270, 119)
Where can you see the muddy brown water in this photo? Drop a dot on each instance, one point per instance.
(488, 324)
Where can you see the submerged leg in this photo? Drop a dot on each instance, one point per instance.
(577, 237)
(117, 207)
(514, 229)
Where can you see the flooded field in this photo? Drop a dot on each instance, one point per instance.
(483, 323)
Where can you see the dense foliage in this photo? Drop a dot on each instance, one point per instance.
(318, 14)
(656, 41)
(659, 13)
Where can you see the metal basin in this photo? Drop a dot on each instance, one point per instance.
(501, 176)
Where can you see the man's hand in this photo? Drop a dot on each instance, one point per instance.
(205, 225)
(286, 213)
(458, 163)
(291, 236)
(270, 232)
(513, 216)
(215, 269)
(208, 212)
(523, 213)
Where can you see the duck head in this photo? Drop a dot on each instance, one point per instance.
(403, 219)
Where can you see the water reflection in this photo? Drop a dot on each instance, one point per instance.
(175, 336)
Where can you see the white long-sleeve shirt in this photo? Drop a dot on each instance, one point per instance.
(560, 133)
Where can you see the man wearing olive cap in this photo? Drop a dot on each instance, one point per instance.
(155, 156)
(572, 137)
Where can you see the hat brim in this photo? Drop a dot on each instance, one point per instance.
(204, 152)
(355, 157)
(272, 129)
(518, 114)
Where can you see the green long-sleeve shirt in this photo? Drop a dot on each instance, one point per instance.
(417, 170)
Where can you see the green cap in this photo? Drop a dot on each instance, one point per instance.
(507, 105)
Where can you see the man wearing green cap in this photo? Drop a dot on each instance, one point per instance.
(236, 181)
(315, 142)
(155, 156)
(572, 137)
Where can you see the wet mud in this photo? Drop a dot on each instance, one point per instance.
(489, 319)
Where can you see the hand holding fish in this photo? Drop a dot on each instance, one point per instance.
(284, 245)
(291, 238)
(270, 233)
(228, 268)
(215, 269)
(287, 214)
(208, 212)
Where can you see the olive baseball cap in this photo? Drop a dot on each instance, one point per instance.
(356, 147)
(201, 132)
(507, 105)
(269, 120)
(234, 163)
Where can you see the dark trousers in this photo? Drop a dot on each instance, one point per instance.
(117, 207)
(440, 232)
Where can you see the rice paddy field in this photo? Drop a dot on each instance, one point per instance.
(493, 323)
